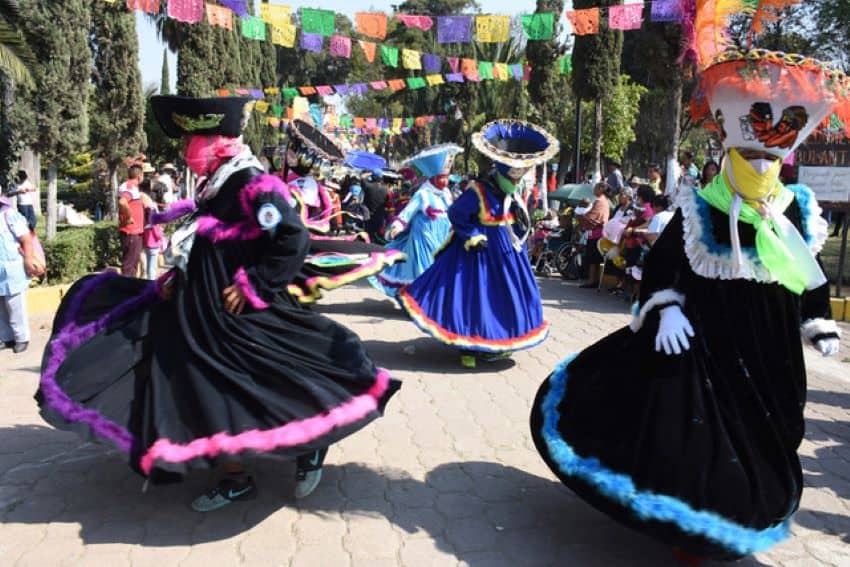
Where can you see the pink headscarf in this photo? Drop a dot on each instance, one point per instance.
(205, 154)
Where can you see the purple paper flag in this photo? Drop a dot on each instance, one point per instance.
(312, 42)
(431, 63)
(256, 93)
(454, 62)
(517, 72)
(456, 77)
(383, 123)
(238, 6)
(358, 88)
(666, 11)
(341, 89)
(454, 29)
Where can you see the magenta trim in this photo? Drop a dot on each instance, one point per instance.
(398, 284)
(240, 279)
(217, 230)
(433, 213)
(292, 434)
(262, 183)
(70, 337)
(175, 211)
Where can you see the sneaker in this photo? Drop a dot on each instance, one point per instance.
(308, 472)
(495, 356)
(7, 344)
(20, 347)
(227, 491)
(467, 361)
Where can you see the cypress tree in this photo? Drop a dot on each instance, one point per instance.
(596, 71)
(58, 33)
(165, 79)
(118, 112)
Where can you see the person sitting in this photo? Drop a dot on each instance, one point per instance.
(593, 221)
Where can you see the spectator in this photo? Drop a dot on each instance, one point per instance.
(709, 172)
(167, 177)
(153, 239)
(689, 168)
(662, 216)
(593, 221)
(26, 193)
(375, 196)
(15, 273)
(655, 177)
(634, 182)
(552, 183)
(131, 222)
(634, 236)
(615, 177)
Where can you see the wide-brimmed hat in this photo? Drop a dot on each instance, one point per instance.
(182, 116)
(516, 144)
(148, 168)
(435, 160)
(310, 148)
(169, 167)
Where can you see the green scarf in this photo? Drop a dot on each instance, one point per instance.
(772, 251)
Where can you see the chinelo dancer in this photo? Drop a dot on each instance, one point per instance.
(480, 294)
(214, 360)
(423, 225)
(685, 425)
(332, 262)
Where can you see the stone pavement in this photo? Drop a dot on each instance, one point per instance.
(448, 477)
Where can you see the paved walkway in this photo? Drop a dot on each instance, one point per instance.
(448, 477)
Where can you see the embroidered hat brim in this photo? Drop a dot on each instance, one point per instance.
(186, 116)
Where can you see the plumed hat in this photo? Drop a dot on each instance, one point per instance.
(435, 160)
(310, 148)
(182, 116)
(516, 145)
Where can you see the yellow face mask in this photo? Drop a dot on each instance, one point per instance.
(753, 186)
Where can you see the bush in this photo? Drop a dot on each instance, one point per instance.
(77, 251)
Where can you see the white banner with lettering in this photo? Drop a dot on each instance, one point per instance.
(828, 183)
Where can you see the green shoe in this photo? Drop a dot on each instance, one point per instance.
(467, 361)
(495, 356)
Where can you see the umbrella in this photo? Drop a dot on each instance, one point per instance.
(573, 193)
(365, 160)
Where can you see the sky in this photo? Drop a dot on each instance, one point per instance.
(150, 48)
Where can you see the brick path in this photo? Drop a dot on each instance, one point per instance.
(448, 477)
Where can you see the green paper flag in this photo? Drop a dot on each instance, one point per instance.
(565, 64)
(539, 26)
(290, 93)
(415, 82)
(317, 21)
(389, 55)
(254, 28)
(277, 110)
(409, 122)
(485, 69)
(346, 121)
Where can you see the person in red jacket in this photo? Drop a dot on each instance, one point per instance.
(131, 222)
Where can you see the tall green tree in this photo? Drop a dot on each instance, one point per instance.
(596, 72)
(58, 33)
(165, 78)
(118, 111)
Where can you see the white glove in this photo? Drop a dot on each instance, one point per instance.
(827, 347)
(673, 331)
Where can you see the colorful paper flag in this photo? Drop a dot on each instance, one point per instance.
(411, 59)
(254, 28)
(277, 110)
(469, 69)
(306, 91)
(625, 16)
(341, 89)
(242, 92)
(324, 90)
(539, 26)
(239, 7)
(431, 63)
(492, 29)
(396, 84)
(284, 35)
(424, 23)
(415, 83)
(454, 29)
(276, 14)
(340, 46)
(289, 93)
(501, 72)
(389, 56)
(378, 85)
(261, 106)
(454, 77)
(584, 22)
(485, 70)
(434, 80)
(369, 49)
(371, 123)
(147, 6)
(271, 90)
(454, 63)
(666, 11)
(396, 124)
(312, 42)
(223, 92)
(319, 22)
(219, 16)
(371, 24)
(188, 11)
(517, 72)
(565, 64)
(358, 88)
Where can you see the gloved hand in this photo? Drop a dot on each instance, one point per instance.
(673, 331)
(478, 246)
(828, 347)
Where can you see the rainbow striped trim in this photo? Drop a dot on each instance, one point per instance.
(484, 216)
(431, 327)
(311, 290)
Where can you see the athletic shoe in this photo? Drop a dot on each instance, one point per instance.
(308, 472)
(7, 344)
(20, 347)
(467, 361)
(495, 356)
(227, 491)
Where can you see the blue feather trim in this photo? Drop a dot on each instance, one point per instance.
(805, 200)
(644, 504)
(704, 210)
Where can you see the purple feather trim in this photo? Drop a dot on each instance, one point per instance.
(262, 183)
(217, 230)
(240, 279)
(175, 211)
(72, 336)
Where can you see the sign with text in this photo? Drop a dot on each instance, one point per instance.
(824, 166)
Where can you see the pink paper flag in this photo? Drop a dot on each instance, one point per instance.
(340, 46)
(453, 63)
(325, 90)
(378, 85)
(424, 23)
(625, 17)
(188, 11)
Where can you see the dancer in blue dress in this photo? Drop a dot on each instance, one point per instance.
(423, 225)
(480, 294)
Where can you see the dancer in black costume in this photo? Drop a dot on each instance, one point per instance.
(215, 359)
(686, 424)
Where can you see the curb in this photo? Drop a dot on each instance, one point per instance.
(41, 300)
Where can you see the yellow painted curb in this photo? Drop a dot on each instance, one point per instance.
(42, 300)
(840, 308)
(847, 309)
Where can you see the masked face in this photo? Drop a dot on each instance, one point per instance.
(761, 166)
(199, 154)
(440, 181)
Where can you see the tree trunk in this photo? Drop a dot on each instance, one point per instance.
(112, 203)
(673, 128)
(52, 208)
(596, 148)
(31, 163)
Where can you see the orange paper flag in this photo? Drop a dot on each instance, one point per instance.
(584, 22)
(369, 48)
(219, 16)
(371, 24)
(396, 84)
